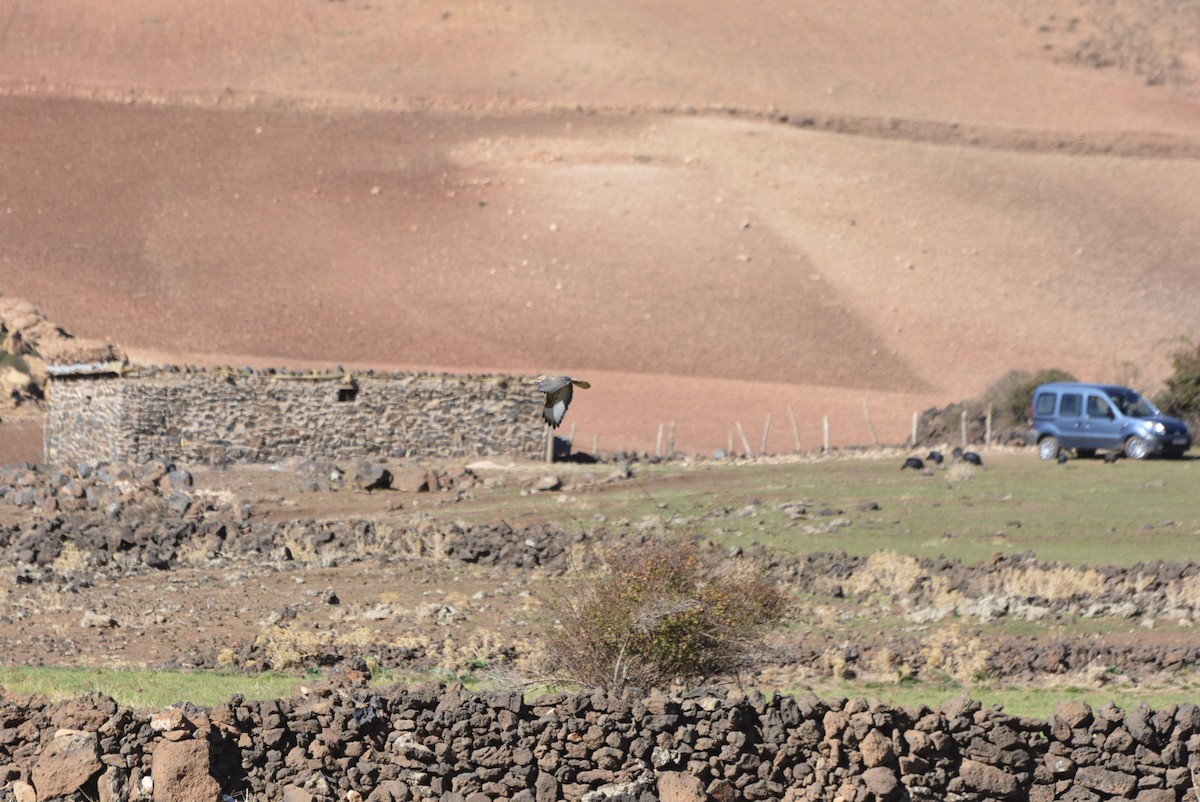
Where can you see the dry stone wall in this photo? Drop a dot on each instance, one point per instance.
(351, 741)
(215, 417)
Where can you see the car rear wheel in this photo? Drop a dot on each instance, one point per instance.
(1137, 448)
(1048, 447)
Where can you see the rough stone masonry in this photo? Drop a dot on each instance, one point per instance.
(223, 416)
(347, 740)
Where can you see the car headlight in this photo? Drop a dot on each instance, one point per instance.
(1158, 428)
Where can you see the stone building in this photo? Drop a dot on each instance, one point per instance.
(109, 412)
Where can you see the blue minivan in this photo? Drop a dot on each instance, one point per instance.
(1090, 417)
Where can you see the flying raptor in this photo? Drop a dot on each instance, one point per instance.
(558, 392)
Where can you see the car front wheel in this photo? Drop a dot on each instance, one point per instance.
(1048, 447)
(1137, 448)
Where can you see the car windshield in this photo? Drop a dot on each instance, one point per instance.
(1132, 405)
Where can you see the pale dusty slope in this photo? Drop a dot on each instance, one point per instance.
(526, 187)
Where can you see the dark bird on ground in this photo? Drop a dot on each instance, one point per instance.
(957, 453)
(914, 463)
(1062, 458)
(973, 458)
(1112, 456)
(936, 456)
(558, 396)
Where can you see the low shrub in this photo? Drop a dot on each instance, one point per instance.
(1181, 397)
(658, 613)
(1011, 396)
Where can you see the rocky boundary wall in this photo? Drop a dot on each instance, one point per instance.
(350, 741)
(196, 417)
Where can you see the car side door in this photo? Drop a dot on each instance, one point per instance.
(1070, 420)
(1101, 426)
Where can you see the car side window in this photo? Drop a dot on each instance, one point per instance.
(1071, 406)
(1045, 404)
(1097, 407)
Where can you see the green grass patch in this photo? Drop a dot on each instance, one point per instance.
(154, 689)
(148, 688)
(1028, 701)
(1086, 512)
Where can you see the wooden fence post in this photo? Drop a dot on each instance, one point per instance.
(825, 429)
(549, 445)
(870, 422)
(795, 428)
(987, 436)
(671, 441)
(742, 434)
(964, 428)
(916, 418)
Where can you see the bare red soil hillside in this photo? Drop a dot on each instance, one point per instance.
(711, 212)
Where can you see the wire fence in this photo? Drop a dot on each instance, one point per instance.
(970, 431)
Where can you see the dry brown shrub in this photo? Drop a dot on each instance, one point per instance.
(657, 613)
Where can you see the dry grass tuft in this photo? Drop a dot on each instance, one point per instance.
(70, 560)
(290, 648)
(1184, 593)
(1056, 583)
(885, 665)
(963, 658)
(889, 573)
(960, 472)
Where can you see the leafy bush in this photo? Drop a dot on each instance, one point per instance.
(1012, 395)
(1181, 398)
(657, 613)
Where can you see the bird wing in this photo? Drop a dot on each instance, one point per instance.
(558, 396)
(556, 405)
(551, 384)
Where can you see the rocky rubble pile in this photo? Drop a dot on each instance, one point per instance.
(113, 548)
(351, 741)
(106, 488)
(26, 331)
(35, 342)
(966, 422)
(112, 488)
